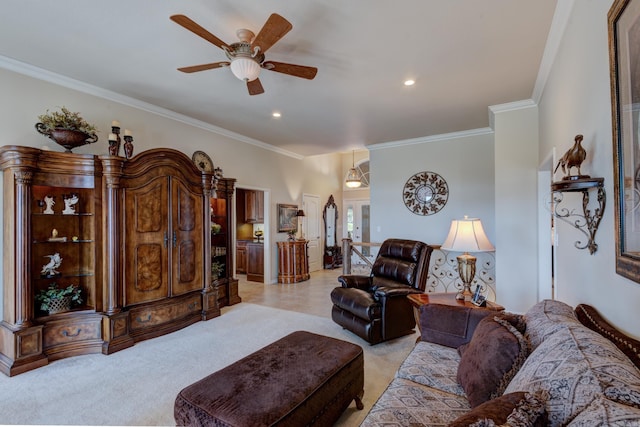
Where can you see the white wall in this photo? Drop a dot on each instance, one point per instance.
(576, 100)
(467, 165)
(24, 98)
(516, 148)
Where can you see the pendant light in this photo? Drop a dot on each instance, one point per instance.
(353, 178)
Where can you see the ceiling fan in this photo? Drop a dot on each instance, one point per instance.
(246, 57)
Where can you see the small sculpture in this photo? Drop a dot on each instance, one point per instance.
(69, 203)
(49, 269)
(573, 158)
(54, 236)
(49, 201)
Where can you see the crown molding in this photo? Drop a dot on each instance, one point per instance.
(80, 86)
(554, 38)
(430, 139)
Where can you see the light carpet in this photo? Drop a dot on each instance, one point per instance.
(138, 385)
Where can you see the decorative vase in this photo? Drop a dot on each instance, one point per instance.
(68, 138)
(59, 305)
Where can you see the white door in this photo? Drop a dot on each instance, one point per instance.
(311, 230)
(356, 222)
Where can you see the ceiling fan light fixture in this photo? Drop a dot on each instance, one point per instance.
(245, 69)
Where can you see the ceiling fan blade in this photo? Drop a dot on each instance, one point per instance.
(291, 69)
(202, 67)
(255, 87)
(273, 30)
(198, 30)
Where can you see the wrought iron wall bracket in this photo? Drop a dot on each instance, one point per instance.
(587, 222)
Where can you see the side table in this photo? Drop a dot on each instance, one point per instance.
(418, 300)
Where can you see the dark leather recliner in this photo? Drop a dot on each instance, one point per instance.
(375, 307)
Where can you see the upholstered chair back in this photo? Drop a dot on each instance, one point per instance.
(401, 261)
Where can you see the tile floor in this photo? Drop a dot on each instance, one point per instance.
(310, 296)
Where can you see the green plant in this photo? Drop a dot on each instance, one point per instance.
(63, 119)
(216, 269)
(53, 292)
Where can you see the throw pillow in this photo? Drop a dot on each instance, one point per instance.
(494, 354)
(516, 320)
(546, 318)
(514, 409)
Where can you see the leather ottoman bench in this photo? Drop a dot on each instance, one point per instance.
(302, 379)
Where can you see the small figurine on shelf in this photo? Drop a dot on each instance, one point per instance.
(50, 268)
(69, 203)
(49, 201)
(54, 236)
(292, 235)
(573, 158)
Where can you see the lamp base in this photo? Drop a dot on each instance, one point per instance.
(467, 271)
(465, 294)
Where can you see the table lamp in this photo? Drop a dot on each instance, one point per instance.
(299, 216)
(467, 235)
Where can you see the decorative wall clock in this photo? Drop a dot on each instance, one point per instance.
(202, 161)
(425, 193)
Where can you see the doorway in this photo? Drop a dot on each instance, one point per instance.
(311, 230)
(356, 222)
(547, 275)
(251, 237)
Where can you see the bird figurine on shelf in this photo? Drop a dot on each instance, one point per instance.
(573, 158)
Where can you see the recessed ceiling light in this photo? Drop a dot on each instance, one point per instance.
(409, 82)
(276, 114)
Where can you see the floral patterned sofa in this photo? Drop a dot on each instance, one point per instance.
(551, 366)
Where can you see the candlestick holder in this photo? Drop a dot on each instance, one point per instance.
(114, 143)
(128, 146)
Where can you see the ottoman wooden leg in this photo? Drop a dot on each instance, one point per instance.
(358, 400)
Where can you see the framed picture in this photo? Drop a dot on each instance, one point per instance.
(287, 219)
(624, 61)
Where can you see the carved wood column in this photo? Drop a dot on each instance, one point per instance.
(210, 306)
(23, 316)
(20, 337)
(112, 173)
(116, 326)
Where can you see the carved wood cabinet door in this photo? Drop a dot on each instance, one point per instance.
(163, 240)
(186, 254)
(146, 240)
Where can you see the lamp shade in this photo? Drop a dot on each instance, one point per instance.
(246, 69)
(300, 212)
(467, 235)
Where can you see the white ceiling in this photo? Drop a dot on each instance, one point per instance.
(464, 55)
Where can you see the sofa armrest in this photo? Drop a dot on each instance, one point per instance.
(592, 319)
(355, 281)
(448, 325)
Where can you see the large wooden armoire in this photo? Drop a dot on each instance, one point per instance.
(137, 243)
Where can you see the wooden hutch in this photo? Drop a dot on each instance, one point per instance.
(137, 244)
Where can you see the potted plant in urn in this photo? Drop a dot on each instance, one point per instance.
(56, 300)
(66, 128)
